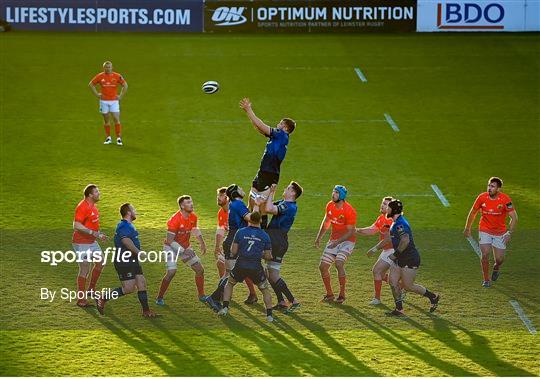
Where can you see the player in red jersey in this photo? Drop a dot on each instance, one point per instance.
(380, 268)
(342, 216)
(222, 227)
(109, 99)
(494, 206)
(179, 229)
(85, 233)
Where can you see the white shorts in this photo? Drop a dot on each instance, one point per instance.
(85, 250)
(229, 264)
(385, 256)
(106, 106)
(274, 265)
(171, 257)
(490, 239)
(340, 252)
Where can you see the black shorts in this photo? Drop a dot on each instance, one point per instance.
(227, 243)
(256, 275)
(264, 179)
(127, 270)
(280, 244)
(409, 261)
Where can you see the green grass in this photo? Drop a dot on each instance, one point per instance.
(467, 107)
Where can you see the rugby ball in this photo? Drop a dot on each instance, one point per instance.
(210, 87)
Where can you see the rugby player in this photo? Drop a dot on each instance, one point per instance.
(380, 268)
(494, 206)
(342, 217)
(238, 218)
(284, 212)
(273, 156)
(109, 99)
(85, 233)
(180, 226)
(126, 240)
(222, 227)
(406, 258)
(250, 245)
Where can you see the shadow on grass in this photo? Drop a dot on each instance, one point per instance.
(479, 350)
(155, 349)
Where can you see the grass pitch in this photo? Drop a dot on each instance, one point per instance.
(467, 109)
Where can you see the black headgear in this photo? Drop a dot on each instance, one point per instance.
(396, 207)
(232, 192)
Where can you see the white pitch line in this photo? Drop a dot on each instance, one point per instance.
(360, 74)
(391, 122)
(440, 195)
(523, 316)
(475, 246)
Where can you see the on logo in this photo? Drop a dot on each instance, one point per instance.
(469, 16)
(227, 16)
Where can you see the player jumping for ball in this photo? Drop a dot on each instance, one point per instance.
(274, 154)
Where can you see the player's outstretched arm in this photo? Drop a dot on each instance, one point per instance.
(259, 125)
(270, 207)
(367, 231)
(379, 245)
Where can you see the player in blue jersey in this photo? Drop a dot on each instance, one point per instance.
(238, 217)
(274, 154)
(283, 211)
(250, 245)
(126, 262)
(407, 260)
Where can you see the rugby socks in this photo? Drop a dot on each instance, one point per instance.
(269, 312)
(81, 283)
(163, 288)
(429, 295)
(377, 284)
(96, 272)
(107, 130)
(282, 286)
(497, 265)
(327, 284)
(143, 299)
(225, 304)
(342, 281)
(399, 305)
(278, 292)
(218, 293)
(199, 282)
(221, 268)
(485, 268)
(117, 130)
(250, 286)
(115, 293)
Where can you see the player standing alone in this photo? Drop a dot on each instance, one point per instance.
(342, 216)
(274, 154)
(109, 99)
(494, 235)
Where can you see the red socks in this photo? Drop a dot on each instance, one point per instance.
(377, 284)
(328, 285)
(96, 272)
(485, 268)
(342, 281)
(199, 282)
(107, 130)
(118, 130)
(163, 288)
(81, 283)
